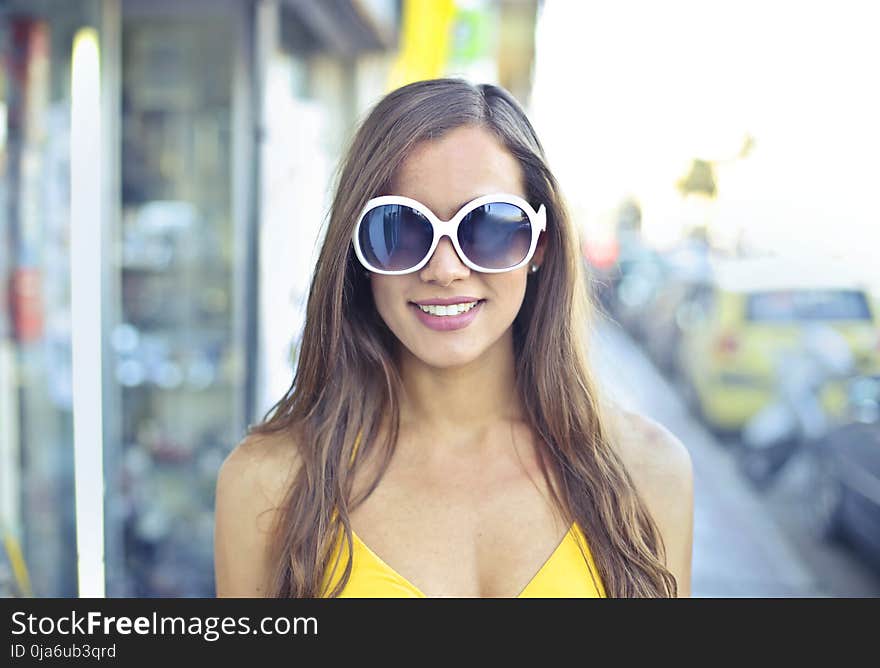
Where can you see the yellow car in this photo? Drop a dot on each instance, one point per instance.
(735, 327)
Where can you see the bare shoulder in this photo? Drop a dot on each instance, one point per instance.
(261, 463)
(252, 484)
(649, 450)
(662, 470)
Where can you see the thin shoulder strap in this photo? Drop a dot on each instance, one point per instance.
(354, 450)
(357, 444)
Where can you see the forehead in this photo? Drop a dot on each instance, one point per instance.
(462, 165)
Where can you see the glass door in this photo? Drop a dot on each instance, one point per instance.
(178, 336)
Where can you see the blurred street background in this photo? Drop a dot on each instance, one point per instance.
(166, 169)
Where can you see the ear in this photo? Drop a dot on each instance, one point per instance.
(538, 257)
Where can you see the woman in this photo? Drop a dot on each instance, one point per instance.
(463, 444)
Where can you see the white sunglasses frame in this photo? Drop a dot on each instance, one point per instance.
(538, 220)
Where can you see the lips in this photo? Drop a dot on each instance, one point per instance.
(446, 301)
(449, 322)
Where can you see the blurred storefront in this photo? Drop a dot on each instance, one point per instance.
(36, 417)
(191, 92)
(216, 132)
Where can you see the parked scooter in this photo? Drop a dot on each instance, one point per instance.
(796, 416)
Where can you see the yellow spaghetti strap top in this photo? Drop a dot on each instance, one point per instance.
(567, 573)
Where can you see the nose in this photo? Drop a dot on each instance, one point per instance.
(445, 265)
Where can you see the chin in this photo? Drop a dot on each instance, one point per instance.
(443, 358)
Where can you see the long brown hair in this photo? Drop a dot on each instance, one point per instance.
(346, 378)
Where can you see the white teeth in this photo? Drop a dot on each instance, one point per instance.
(451, 309)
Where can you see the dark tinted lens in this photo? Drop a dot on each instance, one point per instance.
(496, 235)
(395, 237)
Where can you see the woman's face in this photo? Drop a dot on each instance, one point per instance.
(443, 175)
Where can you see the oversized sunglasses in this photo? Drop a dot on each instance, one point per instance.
(493, 233)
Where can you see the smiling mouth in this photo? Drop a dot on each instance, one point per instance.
(439, 310)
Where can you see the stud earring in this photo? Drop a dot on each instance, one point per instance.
(534, 268)
(367, 274)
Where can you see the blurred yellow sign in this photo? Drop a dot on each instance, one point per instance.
(424, 42)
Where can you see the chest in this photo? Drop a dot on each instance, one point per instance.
(477, 527)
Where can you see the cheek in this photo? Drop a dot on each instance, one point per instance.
(386, 296)
(510, 290)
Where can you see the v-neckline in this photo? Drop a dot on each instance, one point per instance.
(409, 584)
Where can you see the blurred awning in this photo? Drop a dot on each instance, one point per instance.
(341, 27)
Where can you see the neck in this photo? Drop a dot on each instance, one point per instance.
(458, 406)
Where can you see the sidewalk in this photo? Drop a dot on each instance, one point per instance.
(738, 549)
